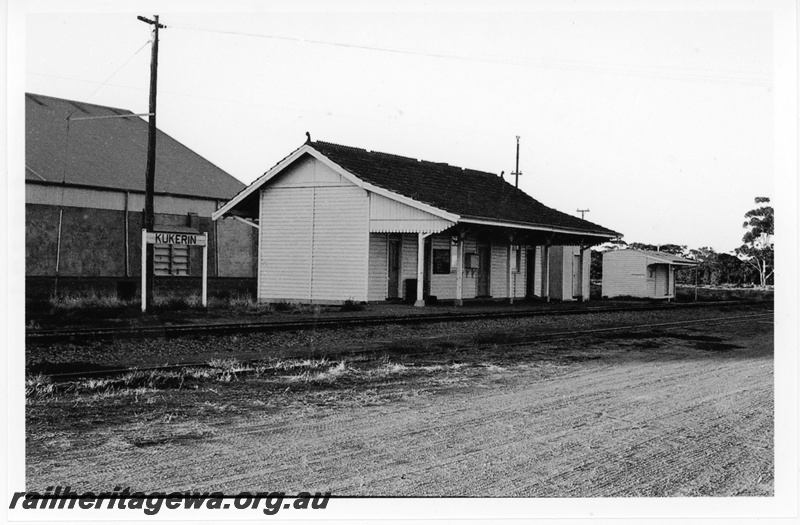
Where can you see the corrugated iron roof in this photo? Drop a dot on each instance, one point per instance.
(664, 257)
(112, 152)
(469, 193)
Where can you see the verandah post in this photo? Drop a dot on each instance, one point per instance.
(205, 269)
(460, 271)
(420, 268)
(144, 269)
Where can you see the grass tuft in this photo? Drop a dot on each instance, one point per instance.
(352, 306)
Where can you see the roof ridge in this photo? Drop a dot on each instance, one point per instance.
(402, 157)
(60, 99)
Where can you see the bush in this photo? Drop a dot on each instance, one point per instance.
(352, 306)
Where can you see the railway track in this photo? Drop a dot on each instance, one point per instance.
(167, 331)
(378, 347)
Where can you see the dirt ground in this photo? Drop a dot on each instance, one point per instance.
(684, 410)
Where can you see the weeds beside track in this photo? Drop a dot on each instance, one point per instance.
(377, 348)
(168, 331)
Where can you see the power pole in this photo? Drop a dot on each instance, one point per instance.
(149, 211)
(517, 173)
(582, 212)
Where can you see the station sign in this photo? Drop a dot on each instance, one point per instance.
(173, 238)
(188, 239)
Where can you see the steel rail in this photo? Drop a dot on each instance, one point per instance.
(167, 331)
(528, 340)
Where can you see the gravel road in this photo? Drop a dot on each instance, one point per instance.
(683, 411)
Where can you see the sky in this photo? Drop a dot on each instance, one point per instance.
(658, 118)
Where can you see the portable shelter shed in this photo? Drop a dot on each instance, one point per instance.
(338, 223)
(641, 273)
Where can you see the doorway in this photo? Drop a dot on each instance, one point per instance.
(530, 273)
(577, 276)
(482, 284)
(394, 267)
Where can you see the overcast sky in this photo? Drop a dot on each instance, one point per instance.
(658, 119)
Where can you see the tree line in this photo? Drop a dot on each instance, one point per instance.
(752, 263)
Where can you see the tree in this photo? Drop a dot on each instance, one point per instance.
(734, 270)
(708, 268)
(596, 265)
(672, 249)
(614, 244)
(757, 249)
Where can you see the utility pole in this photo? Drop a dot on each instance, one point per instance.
(149, 211)
(582, 212)
(517, 173)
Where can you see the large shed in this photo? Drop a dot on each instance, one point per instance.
(84, 198)
(338, 223)
(641, 273)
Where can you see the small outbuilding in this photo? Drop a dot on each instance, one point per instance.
(641, 273)
(338, 223)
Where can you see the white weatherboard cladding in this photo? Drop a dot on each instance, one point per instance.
(499, 272)
(443, 286)
(408, 261)
(340, 244)
(314, 236)
(624, 274)
(519, 283)
(285, 244)
(538, 282)
(378, 267)
(389, 216)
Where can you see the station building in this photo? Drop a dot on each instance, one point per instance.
(84, 194)
(338, 223)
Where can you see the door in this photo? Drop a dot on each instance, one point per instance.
(484, 264)
(661, 280)
(577, 276)
(530, 273)
(394, 268)
(426, 280)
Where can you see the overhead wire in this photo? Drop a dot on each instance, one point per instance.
(666, 72)
(104, 82)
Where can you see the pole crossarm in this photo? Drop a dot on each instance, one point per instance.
(152, 22)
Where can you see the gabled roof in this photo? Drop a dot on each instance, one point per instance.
(461, 194)
(664, 257)
(112, 152)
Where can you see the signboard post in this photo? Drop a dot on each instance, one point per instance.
(171, 238)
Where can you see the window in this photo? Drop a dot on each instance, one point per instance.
(651, 272)
(171, 259)
(441, 261)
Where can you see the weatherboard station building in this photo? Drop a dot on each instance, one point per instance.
(338, 223)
